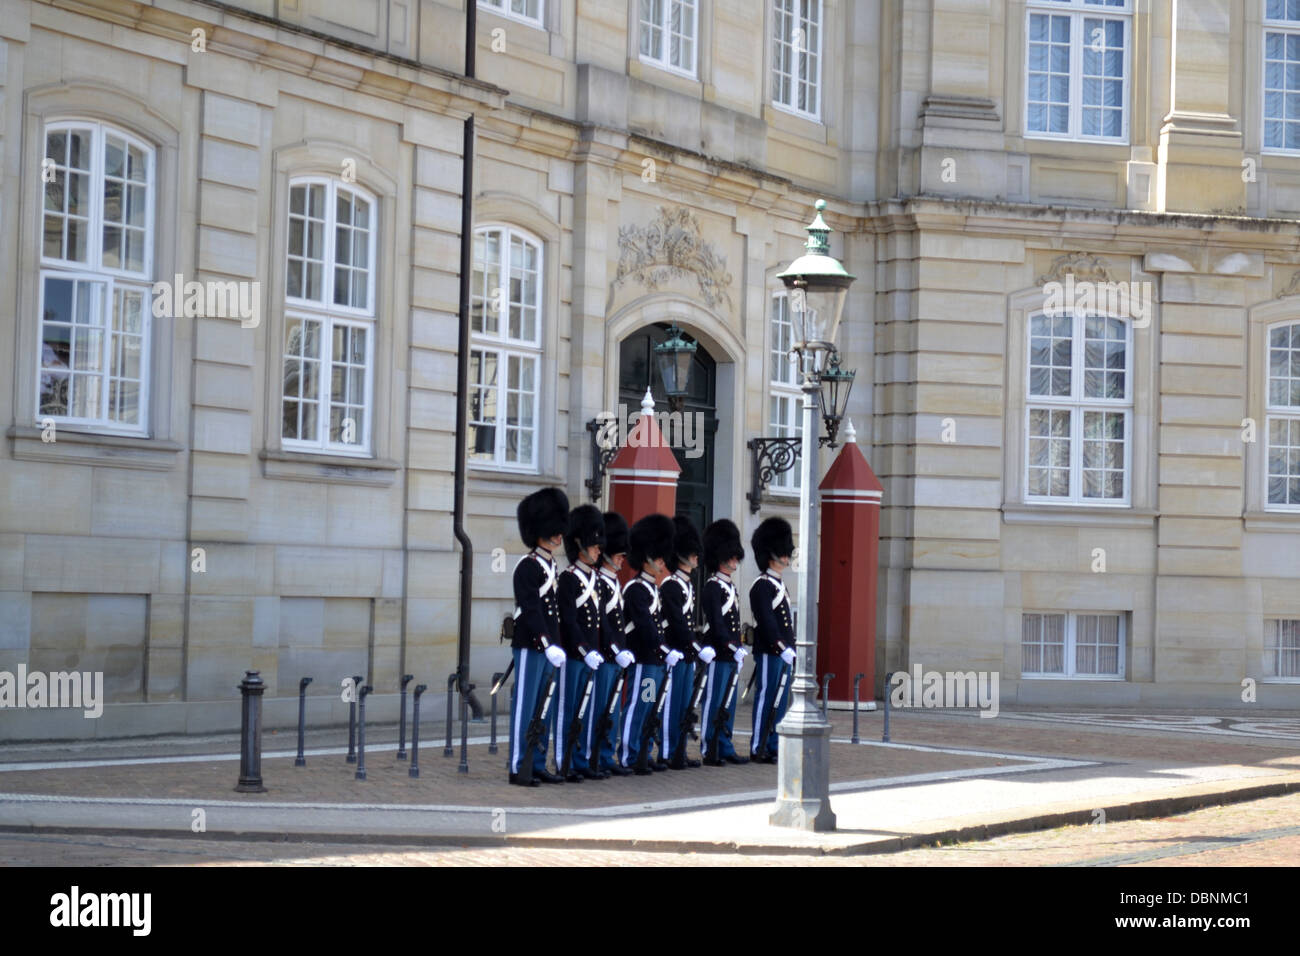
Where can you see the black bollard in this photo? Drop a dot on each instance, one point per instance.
(464, 730)
(361, 732)
(352, 719)
(414, 771)
(856, 681)
(448, 750)
(401, 721)
(300, 760)
(496, 682)
(885, 737)
(250, 734)
(826, 683)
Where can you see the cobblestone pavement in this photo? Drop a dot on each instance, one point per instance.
(1257, 833)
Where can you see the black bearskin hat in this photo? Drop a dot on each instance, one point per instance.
(586, 527)
(615, 534)
(772, 539)
(721, 542)
(651, 537)
(542, 515)
(686, 540)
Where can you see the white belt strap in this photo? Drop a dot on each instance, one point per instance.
(547, 585)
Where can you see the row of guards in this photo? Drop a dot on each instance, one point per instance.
(617, 654)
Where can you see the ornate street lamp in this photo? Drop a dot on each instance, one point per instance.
(818, 286)
(674, 356)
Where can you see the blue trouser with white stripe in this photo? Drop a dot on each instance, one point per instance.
(568, 695)
(769, 676)
(645, 682)
(599, 754)
(675, 708)
(531, 669)
(715, 692)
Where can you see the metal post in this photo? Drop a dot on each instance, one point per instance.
(826, 684)
(414, 770)
(888, 677)
(856, 681)
(352, 719)
(250, 734)
(803, 759)
(492, 743)
(401, 720)
(464, 732)
(361, 732)
(300, 760)
(448, 750)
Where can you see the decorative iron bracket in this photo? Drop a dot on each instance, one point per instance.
(771, 457)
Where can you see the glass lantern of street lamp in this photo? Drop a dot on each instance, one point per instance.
(836, 383)
(675, 356)
(818, 285)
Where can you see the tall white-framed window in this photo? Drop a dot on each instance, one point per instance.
(329, 318)
(1072, 644)
(1282, 411)
(506, 348)
(797, 56)
(667, 34)
(1281, 76)
(1077, 69)
(785, 398)
(526, 11)
(97, 230)
(1079, 410)
(1282, 649)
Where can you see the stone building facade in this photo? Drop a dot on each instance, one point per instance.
(1099, 500)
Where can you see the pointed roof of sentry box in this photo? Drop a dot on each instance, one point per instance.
(850, 471)
(646, 450)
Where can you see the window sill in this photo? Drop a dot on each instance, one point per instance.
(505, 484)
(90, 448)
(1079, 515)
(1112, 678)
(1287, 522)
(332, 469)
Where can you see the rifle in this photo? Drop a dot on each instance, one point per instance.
(720, 720)
(765, 728)
(575, 726)
(652, 721)
(689, 717)
(536, 727)
(607, 717)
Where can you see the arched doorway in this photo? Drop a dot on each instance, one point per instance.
(637, 369)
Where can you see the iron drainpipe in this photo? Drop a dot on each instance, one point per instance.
(462, 382)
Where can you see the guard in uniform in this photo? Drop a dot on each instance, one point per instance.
(601, 754)
(650, 543)
(677, 594)
(723, 553)
(580, 613)
(543, 518)
(773, 545)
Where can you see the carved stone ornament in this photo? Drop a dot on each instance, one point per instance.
(671, 247)
(1292, 287)
(1084, 266)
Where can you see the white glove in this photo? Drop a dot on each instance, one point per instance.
(594, 660)
(555, 654)
(671, 660)
(787, 655)
(741, 653)
(624, 658)
(707, 654)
